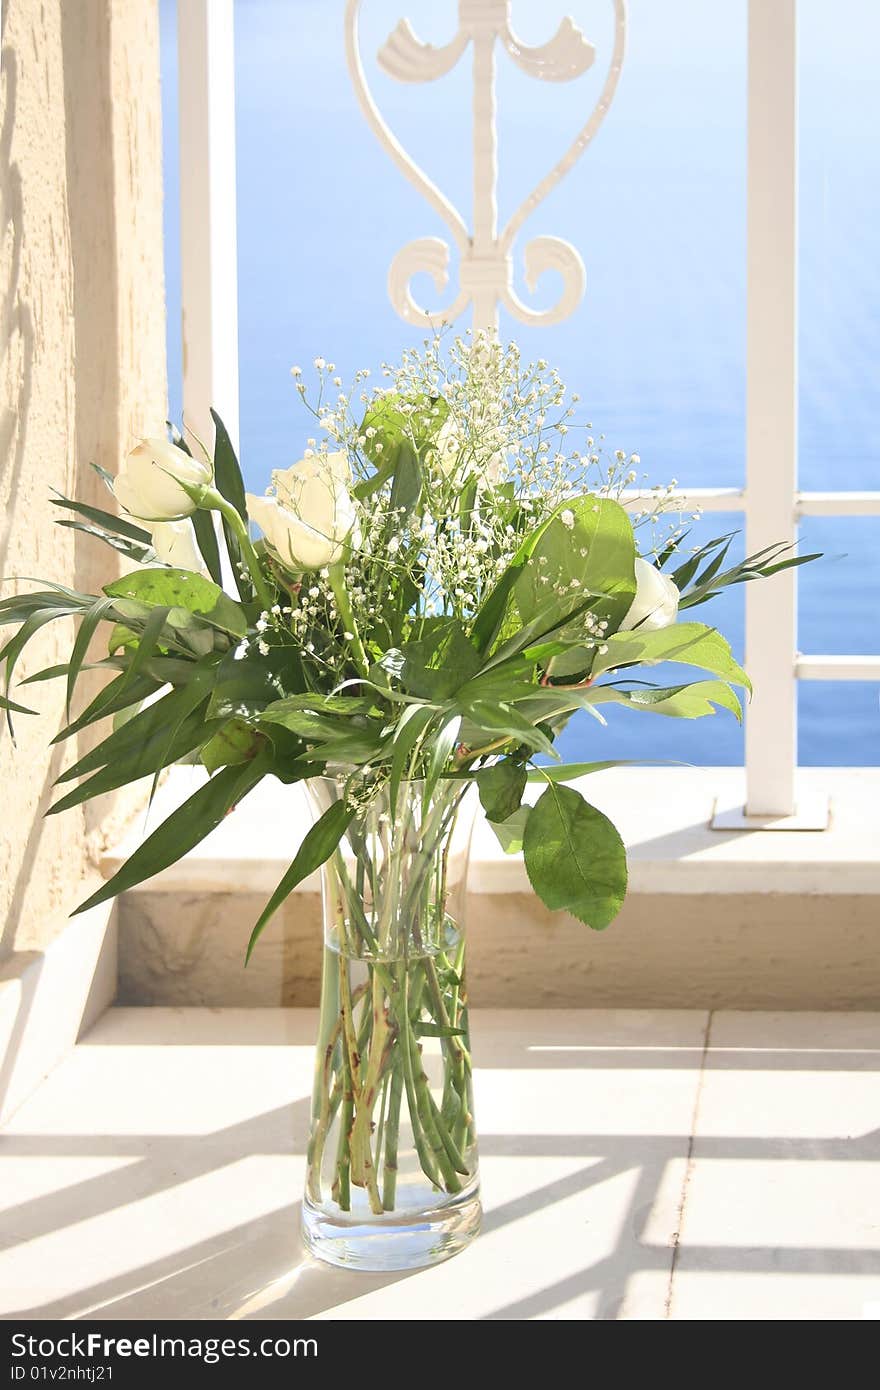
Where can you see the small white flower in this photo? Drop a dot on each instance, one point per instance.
(263, 647)
(296, 371)
(320, 363)
(567, 518)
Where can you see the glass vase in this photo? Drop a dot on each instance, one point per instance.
(391, 1178)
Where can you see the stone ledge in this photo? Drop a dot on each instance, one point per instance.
(664, 815)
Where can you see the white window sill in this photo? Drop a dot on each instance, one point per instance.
(664, 815)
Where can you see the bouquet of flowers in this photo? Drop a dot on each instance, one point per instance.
(443, 579)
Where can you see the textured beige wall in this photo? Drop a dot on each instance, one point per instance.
(677, 951)
(82, 368)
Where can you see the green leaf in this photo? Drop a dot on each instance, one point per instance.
(206, 538)
(235, 742)
(497, 718)
(87, 629)
(490, 620)
(407, 485)
(501, 789)
(143, 758)
(184, 828)
(246, 687)
(132, 550)
(227, 474)
(319, 843)
(440, 750)
(409, 731)
(230, 484)
(574, 857)
(689, 644)
(570, 772)
(149, 724)
(438, 1030)
(436, 665)
(691, 701)
(16, 709)
(511, 832)
(106, 520)
(183, 593)
(118, 694)
(586, 548)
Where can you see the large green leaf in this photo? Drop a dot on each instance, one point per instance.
(184, 828)
(586, 548)
(689, 644)
(320, 842)
(574, 857)
(183, 593)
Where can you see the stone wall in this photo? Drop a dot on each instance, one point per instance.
(82, 372)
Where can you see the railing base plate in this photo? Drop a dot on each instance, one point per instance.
(812, 812)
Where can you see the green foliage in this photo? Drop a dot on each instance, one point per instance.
(475, 607)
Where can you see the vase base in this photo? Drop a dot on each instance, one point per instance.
(412, 1241)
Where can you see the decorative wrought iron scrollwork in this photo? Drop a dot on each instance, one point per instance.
(485, 256)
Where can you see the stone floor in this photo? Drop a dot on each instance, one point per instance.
(635, 1165)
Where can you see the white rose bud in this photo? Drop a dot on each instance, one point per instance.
(312, 513)
(175, 544)
(147, 484)
(656, 600)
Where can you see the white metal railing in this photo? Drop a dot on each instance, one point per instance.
(770, 500)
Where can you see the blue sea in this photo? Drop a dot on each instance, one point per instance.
(656, 208)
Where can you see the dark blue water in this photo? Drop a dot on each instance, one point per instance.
(656, 208)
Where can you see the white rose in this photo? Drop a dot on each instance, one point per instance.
(312, 513)
(147, 483)
(175, 544)
(656, 600)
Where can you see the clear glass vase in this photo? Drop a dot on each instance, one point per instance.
(391, 1179)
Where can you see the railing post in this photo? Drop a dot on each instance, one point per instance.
(206, 54)
(771, 423)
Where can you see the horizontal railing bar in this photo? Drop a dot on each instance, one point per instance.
(706, 499)
(838, 503)
(837, 668)
(735, 499)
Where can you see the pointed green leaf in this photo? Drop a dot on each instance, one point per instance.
(186, 827)
(319, 843)
(689, 644)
